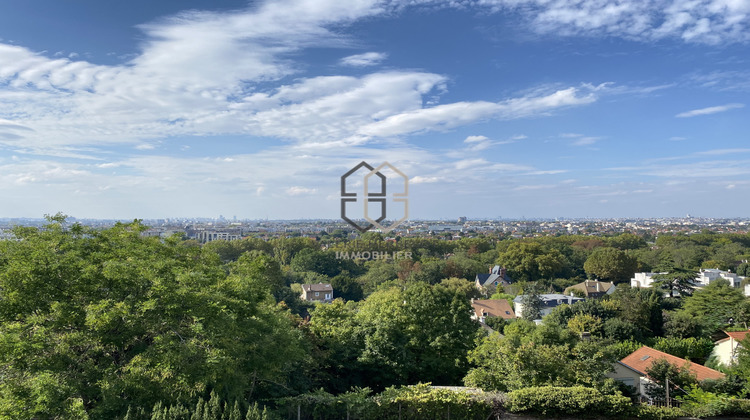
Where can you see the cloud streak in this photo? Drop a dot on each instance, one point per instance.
(710, 110)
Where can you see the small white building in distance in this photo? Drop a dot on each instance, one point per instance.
(643, 279)
(708, 275)
(704, 277)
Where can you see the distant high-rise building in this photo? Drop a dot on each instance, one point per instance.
(462, 219)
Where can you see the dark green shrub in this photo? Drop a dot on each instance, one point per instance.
(651, 412)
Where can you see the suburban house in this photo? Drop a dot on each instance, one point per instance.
(487, 283)
(643, 279)
(708, 275)
(549, 302)
(725, 350)
(704, 277)
(592, 288)
(320, 292)
(489, 308)
(632, 369)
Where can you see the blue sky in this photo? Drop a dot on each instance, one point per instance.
(493, 108)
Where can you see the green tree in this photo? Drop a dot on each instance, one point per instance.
(92, 321)
(422, 333)
(610, 264)
(694, 349)
(681, 324)
(462, 286)
(346, 287)
(661, 370)
(626, 241)
(585, 323)
(640, 307)
(715, 304)
(529, 261)
(532, 305)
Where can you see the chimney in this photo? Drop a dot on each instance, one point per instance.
(597, 287)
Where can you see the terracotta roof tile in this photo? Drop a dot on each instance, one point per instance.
(737, 335)
(644, 357)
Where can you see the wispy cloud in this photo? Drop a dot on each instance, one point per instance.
(448, 116)
(710, 110)
(364, 60)
(580, 139)
(701, 21)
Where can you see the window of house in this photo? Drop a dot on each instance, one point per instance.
(328, 295)
(317, 293)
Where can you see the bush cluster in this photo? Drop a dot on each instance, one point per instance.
(578, 401)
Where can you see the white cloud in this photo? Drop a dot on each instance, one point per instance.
(448, 116)
(580, 139)
(425, 179)
(694, 21)
(364, 60)
(475, 139)
(297, 190)
(709, 110)
(586, 141)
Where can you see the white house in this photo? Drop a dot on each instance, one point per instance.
(725, 350)
(708, 275)
(643, 279)
(705, 277)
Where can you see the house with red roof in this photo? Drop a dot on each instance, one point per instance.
(725, 350)
(632, 369)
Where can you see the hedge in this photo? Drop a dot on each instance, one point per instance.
(578, 401)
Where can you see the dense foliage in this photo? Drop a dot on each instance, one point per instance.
(111, 324)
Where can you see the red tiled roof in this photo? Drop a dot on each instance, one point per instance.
(737, 335)
(644, 357)
(493, 307)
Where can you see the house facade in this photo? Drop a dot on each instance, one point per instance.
(725, 350)
(704, 277)
(321, 292)
(708, 275)
(643, 279)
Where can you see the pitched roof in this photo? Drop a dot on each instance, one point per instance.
(551, 300)
(736, 335)
(590, 286)
(320, 287)
(644, 357)
(493, 307)
(489, 279)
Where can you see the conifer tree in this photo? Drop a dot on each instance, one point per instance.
(236, 413)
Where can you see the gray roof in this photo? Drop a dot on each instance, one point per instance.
(489, 279)
(551, 300)
(320, 287)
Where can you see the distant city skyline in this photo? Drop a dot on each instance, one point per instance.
(493, 108)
